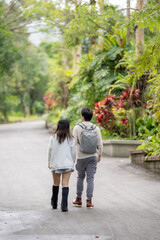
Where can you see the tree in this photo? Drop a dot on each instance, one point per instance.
(15, 16)
(93, 38)
(26, 74)
(58, 75)
(139, 32)
(77, 50)
(101, 31)
(128, 17)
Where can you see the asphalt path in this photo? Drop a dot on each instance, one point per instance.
(126, 197)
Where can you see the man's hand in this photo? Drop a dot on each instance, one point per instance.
(99, 158)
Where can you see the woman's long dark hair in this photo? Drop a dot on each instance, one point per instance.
(63, 130)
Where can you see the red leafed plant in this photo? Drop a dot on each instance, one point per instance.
(129, 98)
(124, 121)
(105, 108)
(103, 112)
(50, 103)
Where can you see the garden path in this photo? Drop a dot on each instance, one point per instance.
(127, 197)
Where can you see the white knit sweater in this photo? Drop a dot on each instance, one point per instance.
(61, 156)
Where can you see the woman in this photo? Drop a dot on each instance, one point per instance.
(61, 158)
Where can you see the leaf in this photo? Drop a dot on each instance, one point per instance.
(114, 51)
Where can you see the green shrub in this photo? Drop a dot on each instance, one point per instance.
(39, 107)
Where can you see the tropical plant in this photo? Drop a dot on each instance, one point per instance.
(50, 103)
(151, 146)
(116, 113)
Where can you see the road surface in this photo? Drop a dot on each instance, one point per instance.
(126, 197)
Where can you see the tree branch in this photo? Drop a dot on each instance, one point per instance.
(14, 20)
(122, 9)
(11, 5)
(19, 27)
(95, 22)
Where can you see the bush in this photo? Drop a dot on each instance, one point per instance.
(149, 131)
(118, 114)
(38, 107)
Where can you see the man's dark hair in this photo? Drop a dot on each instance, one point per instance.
(87, 113)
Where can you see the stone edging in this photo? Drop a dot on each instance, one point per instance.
(123, 142)
(139, 157)
(152, 159)
(119, 148)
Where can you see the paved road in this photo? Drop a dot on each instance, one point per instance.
(127, 198)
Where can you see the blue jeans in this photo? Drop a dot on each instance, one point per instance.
(86, 167)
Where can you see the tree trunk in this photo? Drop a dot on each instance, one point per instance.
(139, 32)
(31, 95)
(5, 114)
(128, 17)
(77, 51)
(23, 104)
(142, 82)
(93, 39)
(64, 94)
(65, 60)
(76, 56)
(101, 31)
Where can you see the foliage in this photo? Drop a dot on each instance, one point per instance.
(96, 73)
(27, 76)
(38, 107)
(104, 112)
(59, 71)
(21, 65)
(116, 113)
(49, 102)
(148, 17)
(149, 132)
(90, 20)
(147, 126)
(152, 146)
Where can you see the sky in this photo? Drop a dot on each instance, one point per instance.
(122, 3)
(36, 38)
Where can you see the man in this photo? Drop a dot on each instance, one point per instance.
(89, 149)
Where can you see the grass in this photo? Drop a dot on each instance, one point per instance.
(14, 118)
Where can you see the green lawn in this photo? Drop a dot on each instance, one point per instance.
(13, 118)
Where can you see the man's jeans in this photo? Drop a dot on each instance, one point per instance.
(86, 167)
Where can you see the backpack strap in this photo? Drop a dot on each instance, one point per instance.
(94, 126)
(82, 125)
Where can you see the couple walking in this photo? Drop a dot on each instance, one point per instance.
(84, 146)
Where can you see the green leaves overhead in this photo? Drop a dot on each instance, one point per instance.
(87, 20)
(17, 15)
(148, 17)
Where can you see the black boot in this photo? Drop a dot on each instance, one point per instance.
(64, 203)
(54, 199)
